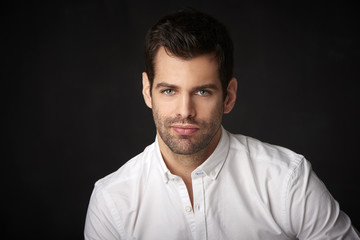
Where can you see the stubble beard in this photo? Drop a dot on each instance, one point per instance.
(187, 144)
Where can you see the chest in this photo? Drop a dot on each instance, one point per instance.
(228, 211)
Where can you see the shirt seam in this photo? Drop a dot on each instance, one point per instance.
(112, 208)
(289, 180)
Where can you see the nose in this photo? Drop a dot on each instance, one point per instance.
(185, 107)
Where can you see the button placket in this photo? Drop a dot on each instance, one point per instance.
(197, 207)
(188, 209)
(199, 211)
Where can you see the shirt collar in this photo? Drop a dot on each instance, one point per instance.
(211, 167)
(164, 171)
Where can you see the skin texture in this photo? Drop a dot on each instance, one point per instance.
(187, 104)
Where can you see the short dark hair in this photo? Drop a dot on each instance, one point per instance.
(189, 33)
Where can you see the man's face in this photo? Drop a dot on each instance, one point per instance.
(187, 101)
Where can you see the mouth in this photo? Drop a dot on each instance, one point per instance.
(185, 129)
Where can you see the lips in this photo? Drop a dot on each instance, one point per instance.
(185, 130)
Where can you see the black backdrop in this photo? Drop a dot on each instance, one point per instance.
(75, 113)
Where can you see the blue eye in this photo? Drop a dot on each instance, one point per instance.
(202, 93)
(168, 92)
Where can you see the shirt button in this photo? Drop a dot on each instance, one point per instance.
(213, 173)
(188, 209)
(197, 207)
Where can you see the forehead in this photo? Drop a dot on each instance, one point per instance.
(201, 68)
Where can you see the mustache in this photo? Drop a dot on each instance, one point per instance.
(180, 120)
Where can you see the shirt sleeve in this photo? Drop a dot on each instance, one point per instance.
(100, 220)
(311, 210)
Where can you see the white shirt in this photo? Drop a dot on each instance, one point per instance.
(246, 189)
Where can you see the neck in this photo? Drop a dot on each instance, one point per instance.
(183, 165)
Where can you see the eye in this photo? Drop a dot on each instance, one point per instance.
(202, 93)
(168, 92)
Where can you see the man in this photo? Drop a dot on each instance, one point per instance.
(198, 181)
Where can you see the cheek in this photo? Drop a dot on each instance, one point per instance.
(210, 107)
(161, 110)
(164, 109)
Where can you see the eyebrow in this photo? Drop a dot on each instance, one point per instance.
(207, 86)
(165, 85)
(168, 85)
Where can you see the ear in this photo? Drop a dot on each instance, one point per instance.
(231, 95)
(146, 90)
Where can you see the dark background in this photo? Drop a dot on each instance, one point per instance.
(74, 110)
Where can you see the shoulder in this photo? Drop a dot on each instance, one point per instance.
(115, 197)
(269, 165)
(129, 174)
(265, 153)
(271, 171)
